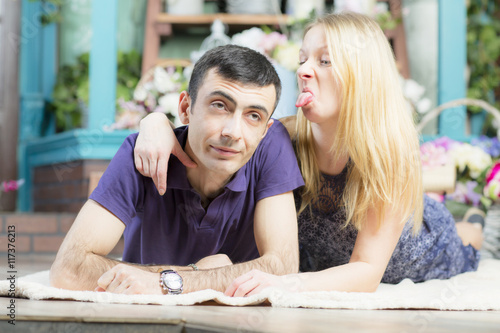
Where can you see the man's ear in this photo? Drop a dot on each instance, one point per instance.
(184, 107)
(268, 125)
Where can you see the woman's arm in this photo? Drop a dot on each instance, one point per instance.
(372, 251)
(155, 143)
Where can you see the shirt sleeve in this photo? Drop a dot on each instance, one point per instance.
(121, 187)
(278, 171)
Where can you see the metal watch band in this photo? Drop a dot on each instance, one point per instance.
(164, 285)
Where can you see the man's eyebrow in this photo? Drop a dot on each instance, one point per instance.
(223, 94)
(231, 99)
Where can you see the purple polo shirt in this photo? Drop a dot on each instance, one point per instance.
(174, 228)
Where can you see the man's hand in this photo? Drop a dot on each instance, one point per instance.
(155, 143)
(125, 279)
(255, 281)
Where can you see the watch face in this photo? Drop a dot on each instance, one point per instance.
(173, 281)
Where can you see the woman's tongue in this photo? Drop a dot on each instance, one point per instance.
(303, 99)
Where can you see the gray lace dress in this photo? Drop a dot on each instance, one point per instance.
(435, 253)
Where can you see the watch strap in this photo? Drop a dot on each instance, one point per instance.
(165, 287)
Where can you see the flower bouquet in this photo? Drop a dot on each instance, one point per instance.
(276, 46)
(478, 176)
(157, 91)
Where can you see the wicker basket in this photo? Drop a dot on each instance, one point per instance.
(148, 75)
(444, 178)
(491, 232)
(170, 97)
(458, 102)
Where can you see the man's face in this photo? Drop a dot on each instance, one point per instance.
(226, 123)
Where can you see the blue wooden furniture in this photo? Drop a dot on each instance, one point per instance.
(451, 66)
(37, 76)
(38, 71)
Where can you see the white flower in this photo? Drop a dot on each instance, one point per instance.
(412, 90)
(250, 38)
(169, 103)
(423, 105)
(140, 94)
(162, 80)
(466, 155)
(286, 55)
(187, 72)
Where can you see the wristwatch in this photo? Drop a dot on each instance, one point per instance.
(171, 282)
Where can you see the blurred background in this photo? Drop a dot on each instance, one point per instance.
(76, 77)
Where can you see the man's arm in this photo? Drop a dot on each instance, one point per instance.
(275, 229)
(82, 260)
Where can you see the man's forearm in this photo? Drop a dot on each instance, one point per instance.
(220, 278)
(79, 273)
(83, 274)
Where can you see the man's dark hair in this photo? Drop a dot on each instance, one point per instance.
(236, 64)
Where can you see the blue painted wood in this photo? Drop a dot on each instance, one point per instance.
(75, 145)
(426, 138)
(49, 73)
(103, 64)
(61, 150)
(477, 122)
(452, 64)
(30, 85)
(30, 90)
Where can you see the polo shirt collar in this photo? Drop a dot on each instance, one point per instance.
(177, 176)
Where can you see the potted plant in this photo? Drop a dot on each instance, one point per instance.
(70, 96)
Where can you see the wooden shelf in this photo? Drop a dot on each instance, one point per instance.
(230, 19)
(159, 23)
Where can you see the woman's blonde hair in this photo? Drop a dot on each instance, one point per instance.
(374, 127)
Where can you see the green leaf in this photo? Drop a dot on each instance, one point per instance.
(123, 92)
(82, 91)
(456, 209)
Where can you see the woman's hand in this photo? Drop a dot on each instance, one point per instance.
(255, 281)
(155, 143)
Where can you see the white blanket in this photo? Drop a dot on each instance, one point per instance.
(469, 291)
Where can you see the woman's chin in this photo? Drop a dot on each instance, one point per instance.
(310, 112)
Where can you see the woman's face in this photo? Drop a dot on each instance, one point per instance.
(319, 92)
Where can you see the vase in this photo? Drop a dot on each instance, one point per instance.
(302, 9)
(491, 232)
(270, 7)
(185, 7)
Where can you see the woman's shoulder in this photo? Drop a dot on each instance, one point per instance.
(289, 123)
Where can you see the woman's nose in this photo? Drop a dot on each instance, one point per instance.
(305, 72)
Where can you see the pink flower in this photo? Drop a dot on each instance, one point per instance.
(11, 185)
(432, 155)
(270, 41)
(446, 143)
(492, 173)
(436, 196)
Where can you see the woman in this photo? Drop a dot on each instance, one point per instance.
(363, 218)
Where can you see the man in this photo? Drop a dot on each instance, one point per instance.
(237, 202)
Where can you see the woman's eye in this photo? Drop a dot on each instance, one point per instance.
(326, 62)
